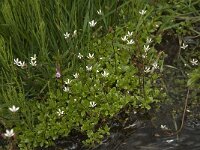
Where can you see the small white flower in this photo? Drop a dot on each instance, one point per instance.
(88, 68)
(164, 127)
(188, 110)
(33, 60)
(124, 38)
(74, 33)
(194, 62)
(144, 55)
(184, 46)
(149, 40)
(129, 42)
(147, 69)
(60, 112)
(90, 56)
(93, 104)
(155, 65)
(34, 57)
(76, 75)
(9, 133)
(22, 64)
(66, 35)
(68, 81)
(130, 34)
(105, 74)
(66, 89)
(80, 56)
(146, 48)
(92, 23)
(17, 62)
(33, 63)
(13, 109)
(142, 12)
(99, 12)
(157, 25)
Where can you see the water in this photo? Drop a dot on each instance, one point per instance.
(143, 135)
(146, 138)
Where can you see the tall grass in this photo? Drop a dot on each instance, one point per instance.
(38, 27)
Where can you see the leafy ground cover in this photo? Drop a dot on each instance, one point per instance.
(72, 66)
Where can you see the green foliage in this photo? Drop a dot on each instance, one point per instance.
(81, 82)
(194, 78)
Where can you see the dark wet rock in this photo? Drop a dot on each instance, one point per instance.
(170, 45)
(143, 139)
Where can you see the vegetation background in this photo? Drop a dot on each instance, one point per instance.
(38, 27)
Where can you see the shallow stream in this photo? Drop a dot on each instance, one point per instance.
(144, 138)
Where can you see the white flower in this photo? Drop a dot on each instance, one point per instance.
(157, 25)
(17, 62)
(33, 63)
(66, 89)
(92, 23)
(142, 12)
(88, 68)
(9, 133)
(22, 64)
(99, 12)
(147, 69)
(33, 60)
(130, 34)
(184, 46)
(105, 74)
(188, 110)
(80, 56)
(68, 81)
(144, 55)
(76, 75)
(74, 33)
(34, 57)
(90, 56)
(155, 65)
(164, 127)
(146, 48)
(93, 104)
(124, 38)
(66, 35)
(130, 42)
(194, 62)
(149, 40)
(60, 112)
(13, 109)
